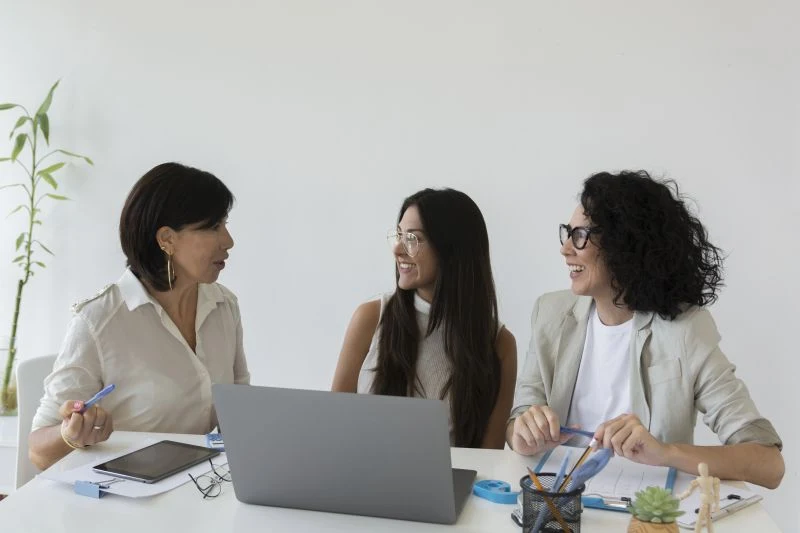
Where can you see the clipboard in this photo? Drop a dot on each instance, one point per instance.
(732, 499)
(615, 486)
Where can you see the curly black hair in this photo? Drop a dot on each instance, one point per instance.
(657, 252)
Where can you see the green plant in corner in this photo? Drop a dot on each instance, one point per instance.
(654, 509)
(30, 138)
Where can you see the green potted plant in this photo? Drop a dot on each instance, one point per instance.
(31, 152)
(654, 509)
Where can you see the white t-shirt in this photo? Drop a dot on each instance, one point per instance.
(602, 390)
(123, 336)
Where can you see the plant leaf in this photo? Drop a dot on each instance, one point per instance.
(20, 122)
(3, 107)
(4, 159)
(18, 259)
(56, 196)
(49, 179)
(19, 144)
(12, 185)
(18, 208)
(47, 101)
(77, 155)
(51, 168)
(45, 248)
(44, 122)
(39, 263)
(20, 240)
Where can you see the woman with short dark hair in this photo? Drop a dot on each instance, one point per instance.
(631, 353)
(437, 335)
(162, 334)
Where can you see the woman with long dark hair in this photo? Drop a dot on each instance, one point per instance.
(631, 352)
(438, 335)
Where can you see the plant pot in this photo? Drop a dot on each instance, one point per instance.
(8, 397)
(637, 526)
(8, 402)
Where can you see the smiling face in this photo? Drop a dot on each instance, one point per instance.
(198, 255)
(587, 269)
(419, 272)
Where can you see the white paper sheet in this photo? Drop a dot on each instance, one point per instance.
(620, 478)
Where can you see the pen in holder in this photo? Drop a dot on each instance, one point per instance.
(548, 510)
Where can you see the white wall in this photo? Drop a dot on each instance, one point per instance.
(321, 116)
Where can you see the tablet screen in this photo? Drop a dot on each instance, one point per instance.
(157, 461)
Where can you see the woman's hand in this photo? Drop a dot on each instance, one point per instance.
(629, 438)
(87, 428)
(537, 430)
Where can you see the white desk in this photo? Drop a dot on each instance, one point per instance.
(44, 505)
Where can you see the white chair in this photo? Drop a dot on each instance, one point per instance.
(30, 389)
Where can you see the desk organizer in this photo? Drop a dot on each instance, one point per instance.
(535, 503)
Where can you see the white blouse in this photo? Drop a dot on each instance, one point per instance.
(123, 336)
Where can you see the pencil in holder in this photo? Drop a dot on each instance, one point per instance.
(550, 511)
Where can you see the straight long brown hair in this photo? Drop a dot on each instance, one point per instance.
(464, 305)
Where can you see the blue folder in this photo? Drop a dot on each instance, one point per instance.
(609, 503)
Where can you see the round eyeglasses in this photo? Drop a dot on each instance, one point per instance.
(210, 484)
(410, 241)
(579, 235)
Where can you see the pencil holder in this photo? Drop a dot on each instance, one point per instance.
(549, 511)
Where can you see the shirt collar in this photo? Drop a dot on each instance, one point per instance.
(583, 305)
(135, 294)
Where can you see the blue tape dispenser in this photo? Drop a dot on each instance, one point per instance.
(495, 491)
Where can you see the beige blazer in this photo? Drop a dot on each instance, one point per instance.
(677, 369)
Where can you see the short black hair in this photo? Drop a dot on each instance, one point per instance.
(657, 252)
(172, 195)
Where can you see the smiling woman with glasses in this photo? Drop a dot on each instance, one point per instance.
(437, 335)
(630, 352)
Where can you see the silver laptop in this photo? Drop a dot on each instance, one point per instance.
(339, 452)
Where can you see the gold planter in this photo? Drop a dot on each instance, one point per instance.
(649, 527)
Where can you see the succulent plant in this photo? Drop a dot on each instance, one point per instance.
(655, 504)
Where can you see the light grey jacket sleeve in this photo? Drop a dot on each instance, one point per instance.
(721, 397)
(530, 388)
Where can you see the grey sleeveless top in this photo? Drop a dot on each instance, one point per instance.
(433, 367)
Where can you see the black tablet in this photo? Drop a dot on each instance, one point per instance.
(157, 461)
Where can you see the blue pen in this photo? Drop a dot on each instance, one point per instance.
(97, 397)
(561, 471)
(574, 431)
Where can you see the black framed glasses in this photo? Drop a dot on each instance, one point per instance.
(410, 241)
(210, 483)
(579, 234)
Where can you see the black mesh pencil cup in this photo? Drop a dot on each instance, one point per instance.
(549, 511)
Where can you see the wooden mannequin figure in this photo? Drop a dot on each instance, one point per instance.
(709, 497)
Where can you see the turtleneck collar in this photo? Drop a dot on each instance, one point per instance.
(421, 305)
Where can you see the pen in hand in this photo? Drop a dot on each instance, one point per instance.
(97, 397)
(573, 431)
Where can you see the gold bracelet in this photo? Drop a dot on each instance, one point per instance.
(68, 441)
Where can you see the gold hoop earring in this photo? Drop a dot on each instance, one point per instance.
(170, 271)
(170, 268)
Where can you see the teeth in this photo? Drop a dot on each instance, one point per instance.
(576, 268)
(405, 265)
